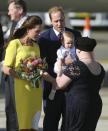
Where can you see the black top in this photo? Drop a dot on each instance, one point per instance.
(82, 79)
(83, 102)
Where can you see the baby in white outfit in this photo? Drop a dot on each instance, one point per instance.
(67, 49)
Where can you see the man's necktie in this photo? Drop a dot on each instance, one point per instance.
(60, 36)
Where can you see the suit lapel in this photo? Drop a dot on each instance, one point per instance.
(53, 36)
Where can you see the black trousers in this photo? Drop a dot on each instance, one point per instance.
(54, 109)
(10, 108)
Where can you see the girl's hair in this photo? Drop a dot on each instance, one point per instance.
(67, 34)
(30, 23)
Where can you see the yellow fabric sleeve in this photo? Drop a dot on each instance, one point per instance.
(10, 53)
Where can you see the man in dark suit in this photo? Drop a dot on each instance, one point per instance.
(17, 12)
(49, 43)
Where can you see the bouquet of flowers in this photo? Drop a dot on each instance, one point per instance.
(29, 69)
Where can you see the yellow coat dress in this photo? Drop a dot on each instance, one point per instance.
(28, 99)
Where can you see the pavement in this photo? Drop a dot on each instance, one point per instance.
(101, 126)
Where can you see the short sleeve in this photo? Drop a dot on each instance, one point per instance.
(10, 53)
(72, 71)
(59, 54)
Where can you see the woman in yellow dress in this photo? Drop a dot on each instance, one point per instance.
(28, 99)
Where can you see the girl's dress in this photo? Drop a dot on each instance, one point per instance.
(28, 99)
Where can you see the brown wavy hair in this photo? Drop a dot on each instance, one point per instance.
(30, 23)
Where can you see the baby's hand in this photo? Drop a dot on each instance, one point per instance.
(43, 73)
(68, 60)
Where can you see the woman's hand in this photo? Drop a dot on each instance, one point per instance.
(9, 71)
(13, 73)
(47, 76)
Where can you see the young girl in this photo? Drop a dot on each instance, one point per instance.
(67, 49)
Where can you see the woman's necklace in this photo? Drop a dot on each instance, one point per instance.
(28, 42)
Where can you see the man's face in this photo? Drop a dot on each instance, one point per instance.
(14, 12)
(57, 20)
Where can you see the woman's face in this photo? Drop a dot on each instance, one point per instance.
(34, 32)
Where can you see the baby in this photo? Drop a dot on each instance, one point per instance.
(67, 49)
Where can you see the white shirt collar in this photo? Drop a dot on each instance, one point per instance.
(56, 32)
(20, 22)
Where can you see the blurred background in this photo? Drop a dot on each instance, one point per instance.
(76, 11)
(90, 17)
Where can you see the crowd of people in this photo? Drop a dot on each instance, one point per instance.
(73, 77)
